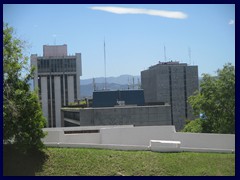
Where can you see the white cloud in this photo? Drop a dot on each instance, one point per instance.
(121, 10)
(231, 22)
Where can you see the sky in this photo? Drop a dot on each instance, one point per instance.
(135, 34)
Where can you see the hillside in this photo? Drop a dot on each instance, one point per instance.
(102, 162)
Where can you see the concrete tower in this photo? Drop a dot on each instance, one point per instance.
(57, 77)
(172, 83)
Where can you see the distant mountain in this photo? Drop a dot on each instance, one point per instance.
(123, 79)
(87, 90)
(113, 83)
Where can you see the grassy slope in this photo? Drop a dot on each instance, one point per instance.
(91, 162)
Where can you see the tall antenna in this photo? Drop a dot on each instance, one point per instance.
(94, 85)
(139, 85)
(165, 57)
(105, 79)
(189, 54)
(133, 82)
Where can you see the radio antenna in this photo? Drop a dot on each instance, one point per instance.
(165, 57)
(105, 79)
(189, 54)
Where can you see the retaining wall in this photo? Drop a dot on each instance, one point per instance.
(138, 138)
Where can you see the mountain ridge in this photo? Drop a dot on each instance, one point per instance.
(122, 79)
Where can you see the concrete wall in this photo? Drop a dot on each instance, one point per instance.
(126, 115)
(163, 85)
(136, 135)
(57, 50)
(79, 72)
(178, 96)
(138, 138)
(172, 84)
(148, 81)
(70, 89)
(204, 140)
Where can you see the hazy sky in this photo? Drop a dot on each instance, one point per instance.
(135, 34)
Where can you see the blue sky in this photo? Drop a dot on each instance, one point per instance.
(135, 34)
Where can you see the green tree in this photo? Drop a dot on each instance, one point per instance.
(23, 119)
(194, 126)
(216, 100)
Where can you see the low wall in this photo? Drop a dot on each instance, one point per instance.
(136, 135)
(137, 138)
(205, 140)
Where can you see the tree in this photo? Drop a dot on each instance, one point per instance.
(216, 100)
(23, 119)
(193, 126)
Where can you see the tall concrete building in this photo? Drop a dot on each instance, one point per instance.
(57, 77)
(172, 83)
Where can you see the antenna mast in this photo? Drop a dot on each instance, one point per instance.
(105, 79)
(94, 85)
(189, 54)
(165, 57)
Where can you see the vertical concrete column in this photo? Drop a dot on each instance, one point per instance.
(57, 92)
(64, 96)
(70, 89)
(79, 72)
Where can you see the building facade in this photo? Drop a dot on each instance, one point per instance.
(172, 83)
(118, 97)
(121, 115)
(57, 77)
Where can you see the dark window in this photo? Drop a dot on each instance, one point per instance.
(81, 131)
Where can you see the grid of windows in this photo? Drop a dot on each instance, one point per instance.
(56, 65)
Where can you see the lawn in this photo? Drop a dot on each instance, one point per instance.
(99, 162)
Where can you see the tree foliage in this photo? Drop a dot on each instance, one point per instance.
(22, 115)
(216, 100)
(194, 126)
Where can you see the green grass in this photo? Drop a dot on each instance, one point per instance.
(99, 162)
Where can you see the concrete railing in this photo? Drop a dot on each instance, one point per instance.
(137, 138)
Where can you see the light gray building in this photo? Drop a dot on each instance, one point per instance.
(118, 115)
(57, 77)
(172, 83)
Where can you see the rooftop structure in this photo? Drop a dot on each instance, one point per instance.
(118, 98)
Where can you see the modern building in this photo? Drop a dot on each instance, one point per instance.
(172, 83)
(122, 107)
(118, 98)
(57, 77)
(118, 115)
